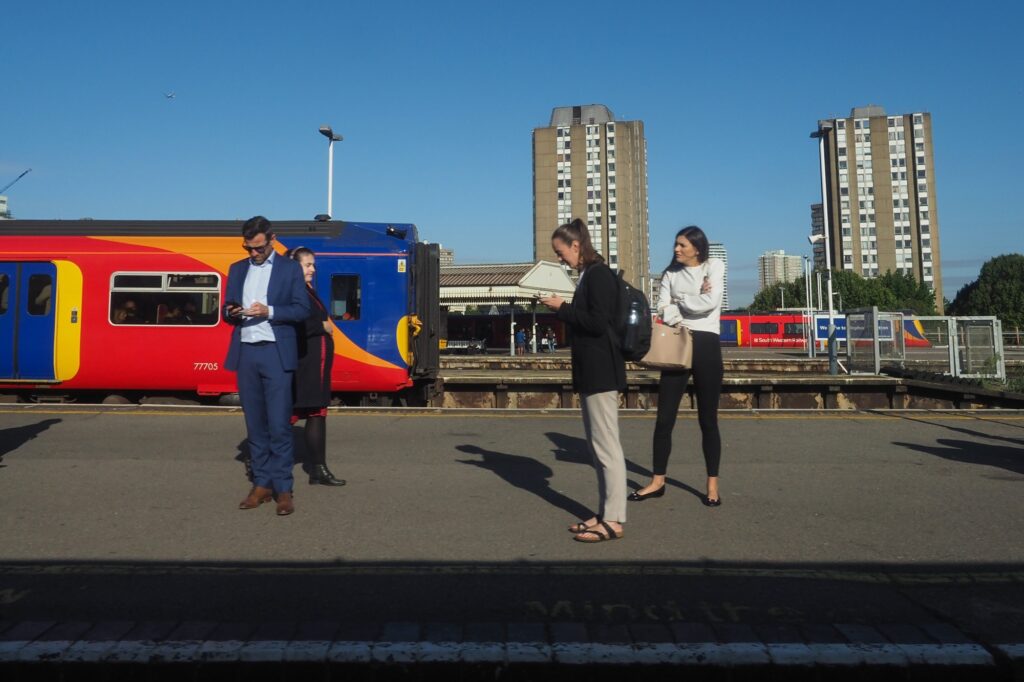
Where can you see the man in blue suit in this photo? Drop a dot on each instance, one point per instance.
(266, 298)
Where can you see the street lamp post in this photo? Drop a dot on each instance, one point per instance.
(824, 128)
(332, 137)
(807, 307)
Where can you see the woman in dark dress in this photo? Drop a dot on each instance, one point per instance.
(312, 387)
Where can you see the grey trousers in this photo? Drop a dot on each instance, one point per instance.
(601, 424)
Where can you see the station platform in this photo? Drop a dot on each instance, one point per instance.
(849, 544)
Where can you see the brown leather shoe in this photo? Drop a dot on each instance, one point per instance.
(285, 506)
(257, 496)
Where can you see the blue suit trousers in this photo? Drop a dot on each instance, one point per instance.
(265, 390)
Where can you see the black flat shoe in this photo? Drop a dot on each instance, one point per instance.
(322, 475)
(708, 502)
(640, 497)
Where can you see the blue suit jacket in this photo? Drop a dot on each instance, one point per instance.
(286, 292)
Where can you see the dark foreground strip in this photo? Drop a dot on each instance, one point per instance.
(539, 648)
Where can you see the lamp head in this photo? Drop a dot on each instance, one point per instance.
(815, 238)
(330, 134)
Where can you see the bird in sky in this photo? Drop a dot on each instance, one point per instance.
(169, 95)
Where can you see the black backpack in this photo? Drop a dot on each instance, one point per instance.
(632, 321)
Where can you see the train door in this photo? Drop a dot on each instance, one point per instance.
(730, 335)
(426, 285)
(27, 320)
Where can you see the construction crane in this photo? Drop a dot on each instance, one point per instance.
(8, 185)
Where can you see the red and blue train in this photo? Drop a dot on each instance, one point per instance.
(789, 330)
(134, 307)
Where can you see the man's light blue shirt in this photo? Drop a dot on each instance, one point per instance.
(255, 329)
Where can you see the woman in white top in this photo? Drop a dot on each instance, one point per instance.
(691, 296)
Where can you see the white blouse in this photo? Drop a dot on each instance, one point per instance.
(680, 300)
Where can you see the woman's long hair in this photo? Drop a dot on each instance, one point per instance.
(577, 231)
(695, 236)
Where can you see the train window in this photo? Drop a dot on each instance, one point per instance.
(5, 285)
(764, 328)
(192, 281)
(794, 329)
(345, 297)
(138, 281)
(40, 294)
(167, 299)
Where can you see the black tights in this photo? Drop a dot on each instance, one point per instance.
(707, 382)
(316, 440)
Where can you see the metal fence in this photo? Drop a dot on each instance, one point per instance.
(1013, 337)
(958, 346)
(980, 348)
(874, 339)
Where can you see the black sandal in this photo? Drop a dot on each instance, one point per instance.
(599, 537)
(580, 527)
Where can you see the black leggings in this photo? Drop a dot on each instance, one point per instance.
(707, 382)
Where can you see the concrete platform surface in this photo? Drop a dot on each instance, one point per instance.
(843, 539)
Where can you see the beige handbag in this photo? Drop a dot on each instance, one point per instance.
(671, 348)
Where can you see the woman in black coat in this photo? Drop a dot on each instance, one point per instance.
(598, 374)
(312, 388)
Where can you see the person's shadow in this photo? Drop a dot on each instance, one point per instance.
(13, 438)
(972, 452)
(574, 451)
(244, 457)
(526, 474)
(301, 457)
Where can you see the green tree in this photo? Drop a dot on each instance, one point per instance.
(907, 293)
(999, 291)
(891, 291)
(772, 297)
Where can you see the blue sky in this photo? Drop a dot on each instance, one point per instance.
(437, 101)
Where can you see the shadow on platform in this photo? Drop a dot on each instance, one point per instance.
(13, 438)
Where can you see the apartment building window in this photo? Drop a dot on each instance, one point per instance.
(918, 118)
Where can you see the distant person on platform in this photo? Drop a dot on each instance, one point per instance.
(266, 299)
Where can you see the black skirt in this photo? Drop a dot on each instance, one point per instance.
(316, 357)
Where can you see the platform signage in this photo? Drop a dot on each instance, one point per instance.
(821, 328)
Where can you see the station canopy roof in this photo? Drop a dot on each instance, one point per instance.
(499, 283)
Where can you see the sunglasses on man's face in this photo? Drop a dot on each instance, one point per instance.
(256, 249)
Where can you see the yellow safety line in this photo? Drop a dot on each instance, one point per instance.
(470, 413)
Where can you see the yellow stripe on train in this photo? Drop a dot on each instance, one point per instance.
(67, 341)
